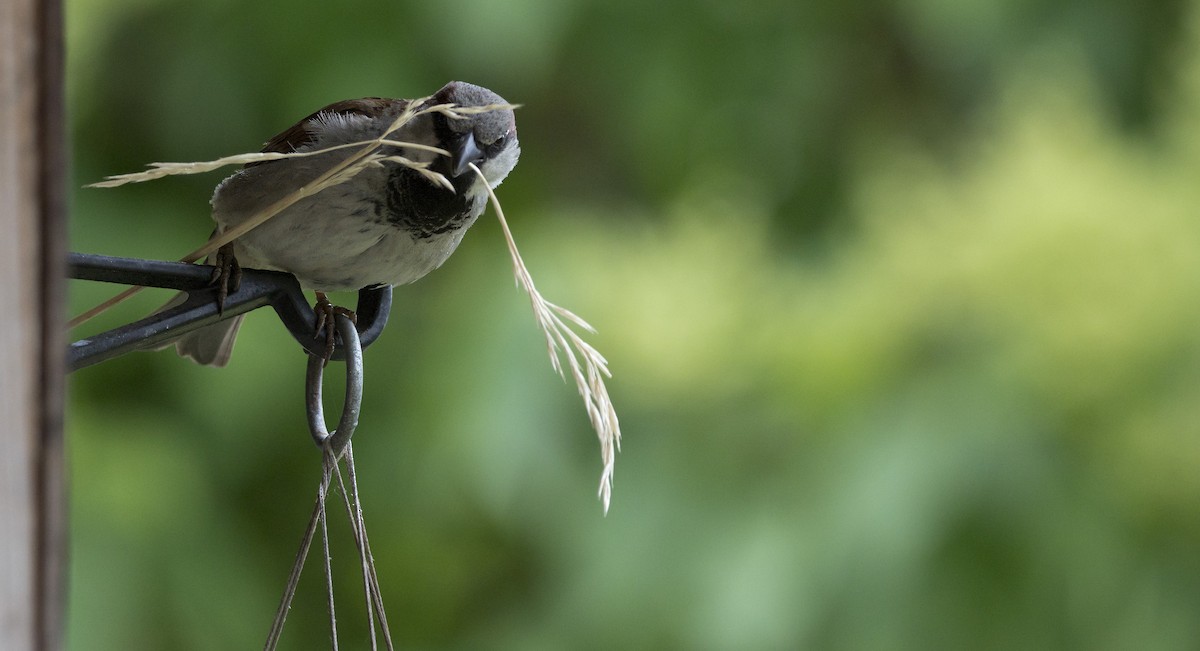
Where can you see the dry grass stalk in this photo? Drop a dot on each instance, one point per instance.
(562, 341)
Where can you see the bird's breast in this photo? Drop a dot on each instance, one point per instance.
(416, 205)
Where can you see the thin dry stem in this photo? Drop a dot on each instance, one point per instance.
(563, 342)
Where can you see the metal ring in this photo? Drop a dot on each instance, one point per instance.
(338, 438)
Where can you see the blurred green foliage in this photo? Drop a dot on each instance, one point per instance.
(901, 301)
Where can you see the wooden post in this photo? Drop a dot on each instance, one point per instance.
(32, 343)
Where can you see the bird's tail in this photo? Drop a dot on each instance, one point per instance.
(211, 345)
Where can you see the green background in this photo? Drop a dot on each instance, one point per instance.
(901, 301)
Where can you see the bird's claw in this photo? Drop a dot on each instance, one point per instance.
(327, 323)
(226, 275)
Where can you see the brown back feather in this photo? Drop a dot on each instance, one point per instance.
(302, 133)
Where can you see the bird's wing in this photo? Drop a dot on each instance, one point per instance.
(304, 131)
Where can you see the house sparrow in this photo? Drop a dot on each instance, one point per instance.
(387, 225)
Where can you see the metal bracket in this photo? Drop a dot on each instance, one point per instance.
(340, 437)
(258, 288)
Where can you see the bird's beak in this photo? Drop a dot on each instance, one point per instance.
(464, 154)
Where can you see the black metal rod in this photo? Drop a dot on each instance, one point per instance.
(199, 308)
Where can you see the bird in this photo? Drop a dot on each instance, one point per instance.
(389, 224)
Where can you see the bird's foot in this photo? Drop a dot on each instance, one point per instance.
(226, 275)
(327, 322)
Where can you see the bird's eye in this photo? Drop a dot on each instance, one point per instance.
(497, 145)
